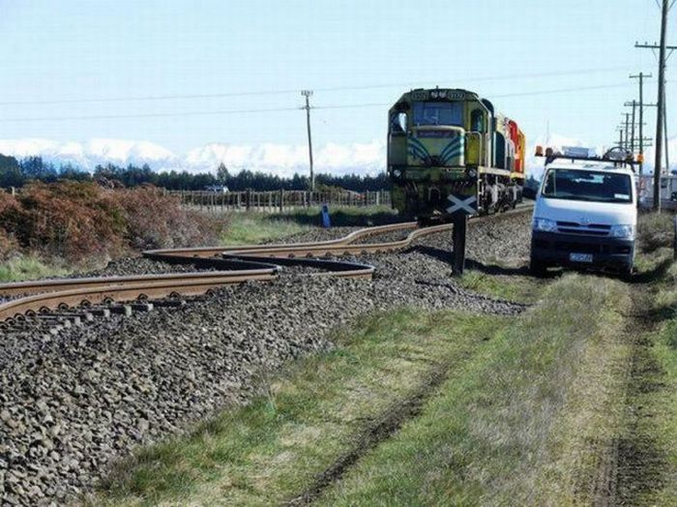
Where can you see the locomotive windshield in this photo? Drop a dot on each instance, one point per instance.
(438, 113)
(596, 186)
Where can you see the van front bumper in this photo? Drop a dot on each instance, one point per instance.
(555, 249)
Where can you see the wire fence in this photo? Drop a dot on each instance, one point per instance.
(277, 200)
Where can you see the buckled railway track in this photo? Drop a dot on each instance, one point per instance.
(233, 265)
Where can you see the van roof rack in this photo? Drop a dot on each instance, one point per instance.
(616, 155)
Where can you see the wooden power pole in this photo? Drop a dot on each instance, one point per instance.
(307, 94)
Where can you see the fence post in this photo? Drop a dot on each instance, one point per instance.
(281, 199)
(674, 241)
(248, 198)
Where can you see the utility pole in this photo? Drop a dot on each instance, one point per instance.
(641, 77)
(632, 128)
(660, 121)
(627, 131)
(307, 94)
(621, 144)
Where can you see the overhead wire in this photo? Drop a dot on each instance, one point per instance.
(290, 91)
(282, 109)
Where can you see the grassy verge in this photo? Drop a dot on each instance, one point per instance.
(28, 268)
(254, 227)
(518, 287)
(511, 422)
(344, 216)
(658, 398)
(664, 404)
(513, 427)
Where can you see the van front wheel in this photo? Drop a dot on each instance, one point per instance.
(538, 268)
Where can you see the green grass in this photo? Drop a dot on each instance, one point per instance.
(510, 422)
(513, 426)
(664, 403)
(518, 287)
(29, 268)
(344, 216)
(661, 400)
(254, 227)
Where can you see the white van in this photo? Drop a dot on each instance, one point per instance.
(585, 216)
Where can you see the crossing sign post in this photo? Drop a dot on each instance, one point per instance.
(461, 206)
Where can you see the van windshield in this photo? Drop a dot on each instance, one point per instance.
(596, 186)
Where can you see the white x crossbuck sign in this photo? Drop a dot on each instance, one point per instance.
(460, 204)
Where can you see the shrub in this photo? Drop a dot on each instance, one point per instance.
(155, 220)
(83, 223)
(70, 220)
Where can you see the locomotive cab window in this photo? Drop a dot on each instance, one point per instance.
(438, 113)
(398, 123)
(477, 121)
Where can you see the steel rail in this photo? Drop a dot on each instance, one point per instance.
(214, 251)
(130, 288)
(55, 294)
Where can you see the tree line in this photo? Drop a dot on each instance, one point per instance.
(17, 172)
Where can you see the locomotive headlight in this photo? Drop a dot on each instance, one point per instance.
(471, 173)
(397, 173)
(545, 225)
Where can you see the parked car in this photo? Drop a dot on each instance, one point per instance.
(221, 189)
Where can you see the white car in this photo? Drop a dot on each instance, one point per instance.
(585, 216)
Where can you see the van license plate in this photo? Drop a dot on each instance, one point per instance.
(580, 257)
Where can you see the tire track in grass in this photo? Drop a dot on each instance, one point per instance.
(633, 467)
(380, 430)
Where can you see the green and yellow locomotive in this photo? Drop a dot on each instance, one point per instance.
(449, 152)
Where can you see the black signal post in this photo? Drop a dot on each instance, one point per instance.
(460, 221)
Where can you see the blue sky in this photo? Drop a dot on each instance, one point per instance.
(352, 53)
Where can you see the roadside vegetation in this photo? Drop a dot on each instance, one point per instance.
(69, 225)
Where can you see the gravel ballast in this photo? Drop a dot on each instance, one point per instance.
(72, 403)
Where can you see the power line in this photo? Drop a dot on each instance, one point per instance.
(281, 109)
(150, 115)
(560, 90)
(295, 91)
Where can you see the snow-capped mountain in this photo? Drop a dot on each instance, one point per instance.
(87, 155)
(280, 159)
